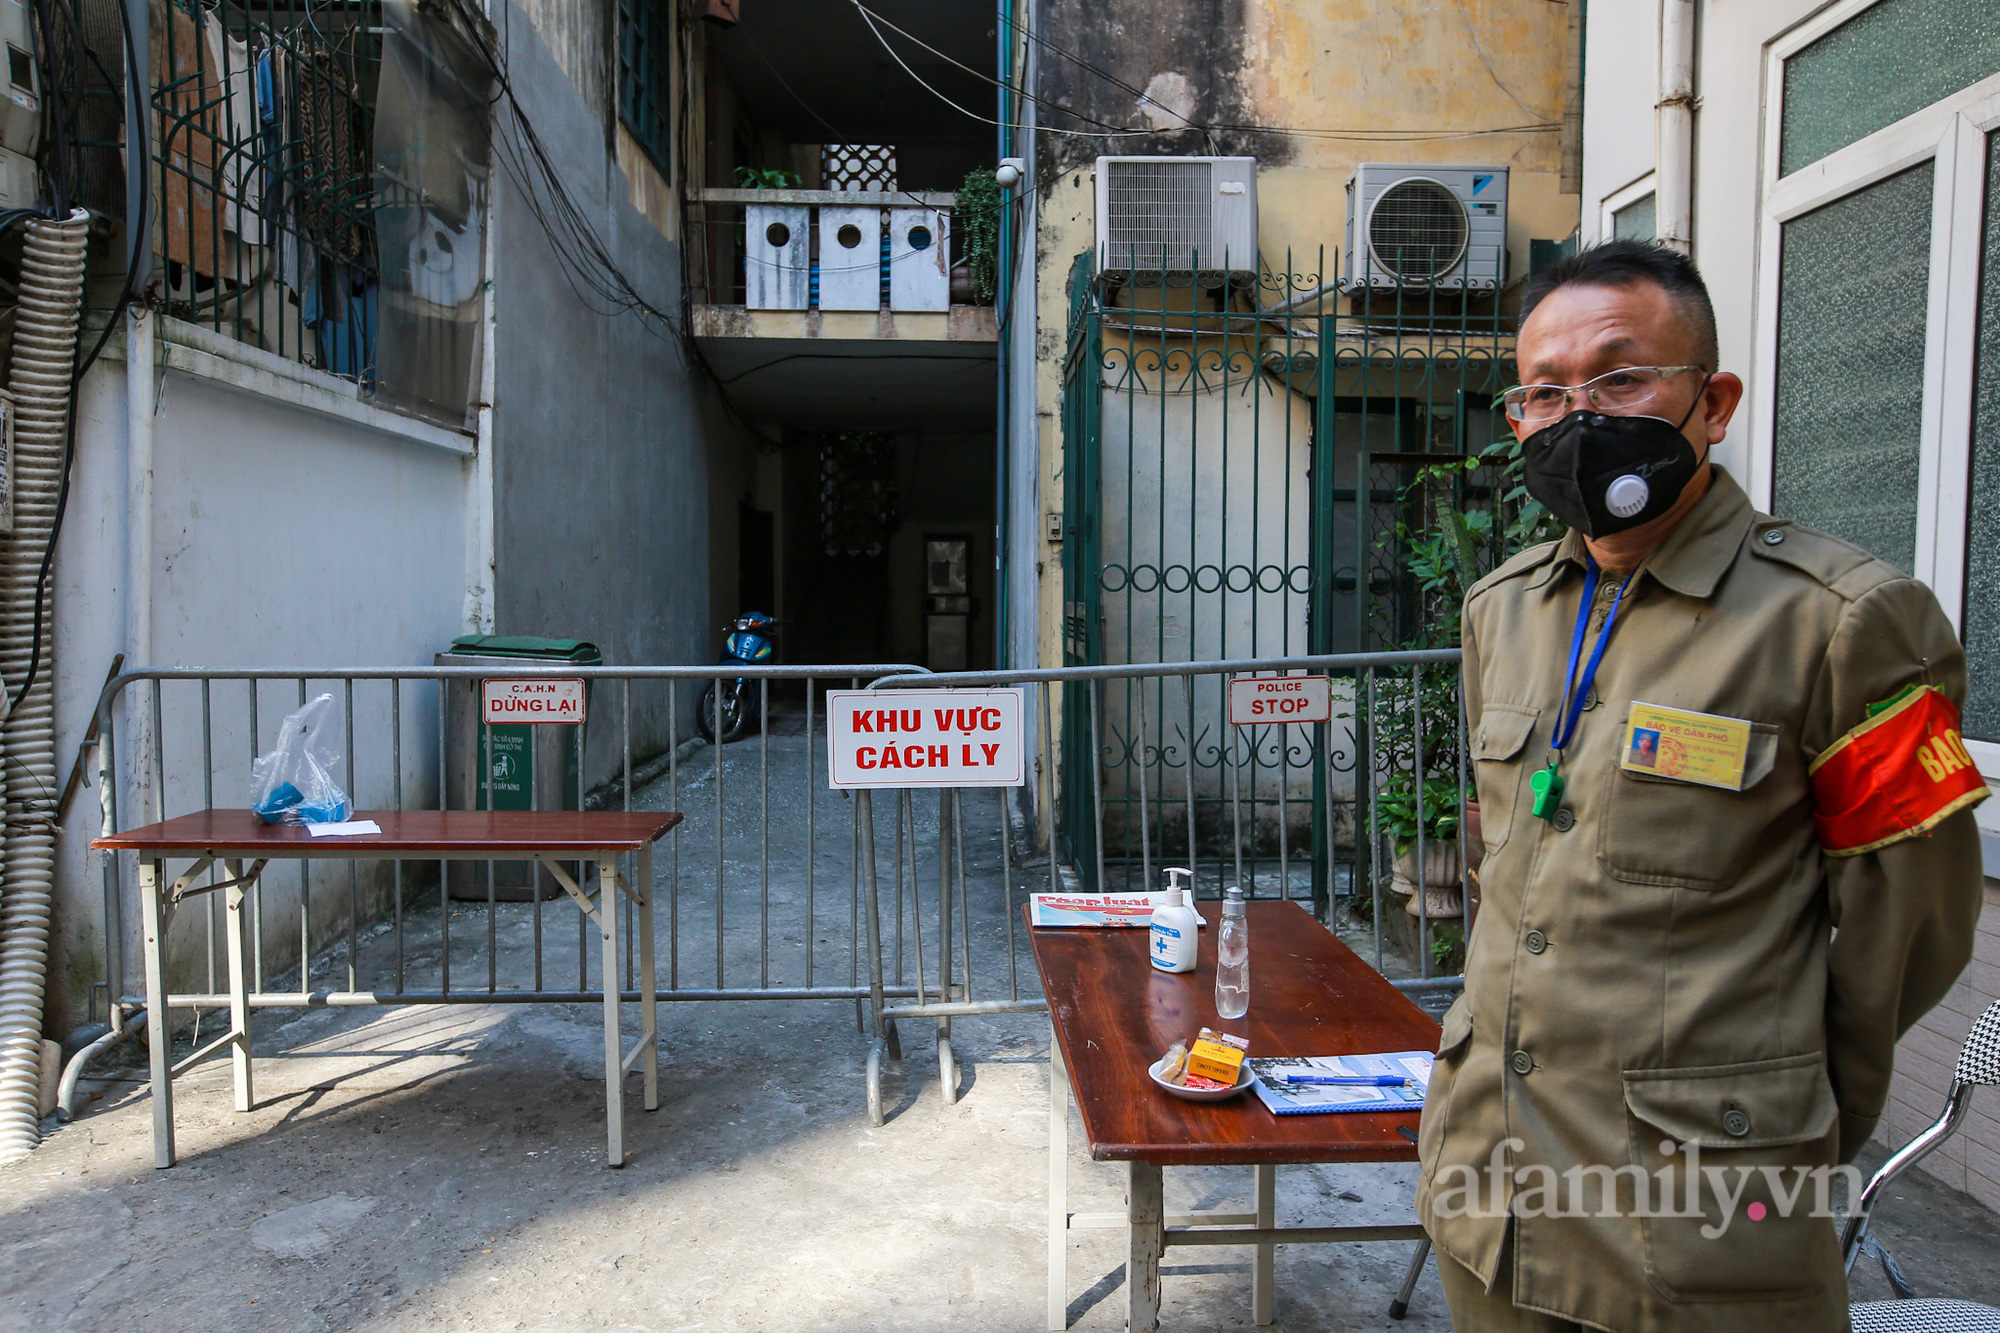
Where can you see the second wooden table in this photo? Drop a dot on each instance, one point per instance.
(1112, 1015)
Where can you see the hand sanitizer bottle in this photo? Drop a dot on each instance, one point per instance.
(1175, 926)
(1232, 966)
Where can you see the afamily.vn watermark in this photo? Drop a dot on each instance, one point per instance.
(1687, 1188)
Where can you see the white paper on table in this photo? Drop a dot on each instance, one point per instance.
(350, 828)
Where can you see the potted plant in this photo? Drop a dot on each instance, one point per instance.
(1398, 818)
(1447, 545)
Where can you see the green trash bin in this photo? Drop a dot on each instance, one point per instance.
(533, 766)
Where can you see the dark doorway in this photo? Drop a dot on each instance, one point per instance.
(756, 560)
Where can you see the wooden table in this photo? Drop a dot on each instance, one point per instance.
(550, 837)
(1112, 1015)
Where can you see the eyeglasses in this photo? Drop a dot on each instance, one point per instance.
(1618, 392)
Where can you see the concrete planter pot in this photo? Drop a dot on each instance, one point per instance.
(1439, 904)
(1440, 870)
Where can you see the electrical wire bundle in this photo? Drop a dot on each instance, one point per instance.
(586, 261)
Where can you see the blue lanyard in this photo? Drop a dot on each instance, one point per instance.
(1576, 690)
(1547, 784)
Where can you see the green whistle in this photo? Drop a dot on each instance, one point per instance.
(1548, 788)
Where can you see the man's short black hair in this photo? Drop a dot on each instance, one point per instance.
(1624, 263)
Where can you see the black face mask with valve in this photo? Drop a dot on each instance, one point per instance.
(1603, 474)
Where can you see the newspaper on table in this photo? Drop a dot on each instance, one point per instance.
(1310, 1098)
(1094, 909)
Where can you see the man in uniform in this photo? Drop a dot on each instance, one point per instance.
(1695, 956)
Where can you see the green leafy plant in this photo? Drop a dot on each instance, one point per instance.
(1396, 809)
(976, 219)
(1459, 519)
(1448, 950)
(766, 178)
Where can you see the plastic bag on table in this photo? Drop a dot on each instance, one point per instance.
(293, 784)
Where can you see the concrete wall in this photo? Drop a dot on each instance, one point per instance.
(284, 535)
(602, 430)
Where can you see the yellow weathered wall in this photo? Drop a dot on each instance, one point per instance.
(1344, 78)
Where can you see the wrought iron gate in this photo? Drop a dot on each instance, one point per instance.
(1248, 460)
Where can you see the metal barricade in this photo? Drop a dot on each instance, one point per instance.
(777, 887)
(1400, 710)
(389, 933)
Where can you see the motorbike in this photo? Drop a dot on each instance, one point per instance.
(748, 643)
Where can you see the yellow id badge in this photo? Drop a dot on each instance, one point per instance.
(1690, 747)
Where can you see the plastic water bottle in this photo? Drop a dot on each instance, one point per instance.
(1232, 966)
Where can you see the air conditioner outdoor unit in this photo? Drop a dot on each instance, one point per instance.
(1440, 228)
(1176, 213)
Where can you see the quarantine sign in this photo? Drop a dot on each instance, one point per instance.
(924, 738)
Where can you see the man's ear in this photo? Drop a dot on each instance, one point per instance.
(1719, 401)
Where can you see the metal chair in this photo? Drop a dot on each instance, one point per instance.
(1978, 1067)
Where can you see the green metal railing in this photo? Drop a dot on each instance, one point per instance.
(1250, 464)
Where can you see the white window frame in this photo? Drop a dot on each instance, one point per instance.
(1952, 134)
(1621, 199)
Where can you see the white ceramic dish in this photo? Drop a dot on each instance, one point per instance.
(1244, 1078)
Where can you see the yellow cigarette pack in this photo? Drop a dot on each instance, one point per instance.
(1217, 1055)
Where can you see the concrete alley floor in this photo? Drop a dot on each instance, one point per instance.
(442, 1167)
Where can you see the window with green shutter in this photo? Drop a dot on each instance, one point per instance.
(645, 76)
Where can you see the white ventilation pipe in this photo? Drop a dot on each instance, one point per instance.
(52, 264)
(1673, 128)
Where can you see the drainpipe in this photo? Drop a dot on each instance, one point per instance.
(52, 265)
(1673, 127)
(1004, 232)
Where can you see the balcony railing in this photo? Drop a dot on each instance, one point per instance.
(264, 153)
(827, 250)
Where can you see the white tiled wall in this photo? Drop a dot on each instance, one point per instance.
(1970, 1160)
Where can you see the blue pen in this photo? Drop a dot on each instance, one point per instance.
(1360, 1080)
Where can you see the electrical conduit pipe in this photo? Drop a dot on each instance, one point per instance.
(52, 269)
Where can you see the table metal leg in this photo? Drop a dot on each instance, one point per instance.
(614, 1077)
(159, 1033)
(1263, 1273)
(1058, 1307)
(239, 988)
(1400, 1307)
(649, 1002)
(1145, 1243)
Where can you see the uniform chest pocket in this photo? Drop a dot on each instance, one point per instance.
(1497, 749)
(1660, 830)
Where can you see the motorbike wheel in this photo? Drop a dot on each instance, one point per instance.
(741, 710)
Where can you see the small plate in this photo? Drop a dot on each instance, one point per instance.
(1244, 1078)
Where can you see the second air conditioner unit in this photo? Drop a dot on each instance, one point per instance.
(1157, 213)
(1441, 228)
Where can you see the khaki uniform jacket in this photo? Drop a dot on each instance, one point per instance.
(1679, 963)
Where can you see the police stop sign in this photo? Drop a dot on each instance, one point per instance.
(924, 738)
(1257, 700)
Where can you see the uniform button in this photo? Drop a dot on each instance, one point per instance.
(1773, 537)
(1590, 700)
(1536, 941)
(1736, 1122)
(1565, 820)
(1523, 1063)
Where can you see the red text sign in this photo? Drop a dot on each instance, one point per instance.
(924, 738)
(1256, 701)
(540, 700)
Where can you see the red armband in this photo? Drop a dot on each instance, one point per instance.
(1895, 776)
